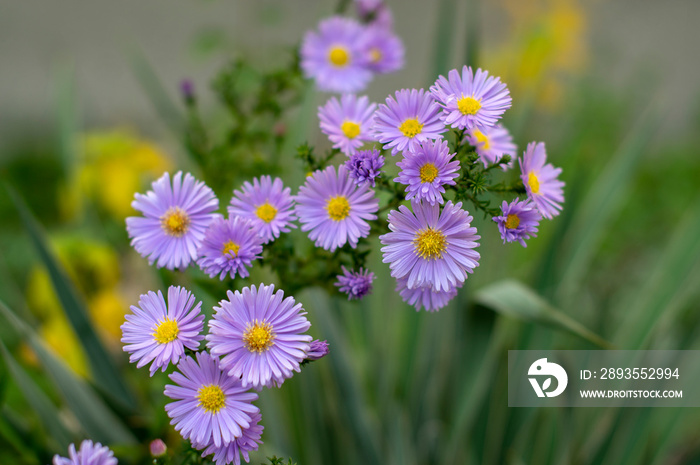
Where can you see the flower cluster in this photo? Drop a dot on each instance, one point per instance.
(343, 54)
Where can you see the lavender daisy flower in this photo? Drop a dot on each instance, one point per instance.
(317, 350)
(365, 166)
(232, 451)
(267, 204)
(430, 247)
(427, 170)
(492, 144)
(334, 210)
(471, 100)
(89, 454)
(425, 296)
(174, 221)
(229, 247)
(333, 56)
(541, 181)
(158, 332)
(411, 118)
(356, 284)
(384, 50)
(519, 221)
(259, 335)
(347, 122)
(210, 406)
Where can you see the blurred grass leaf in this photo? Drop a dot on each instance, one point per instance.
(514, 299)
(44, 408)
(103, 370)
(98, 421)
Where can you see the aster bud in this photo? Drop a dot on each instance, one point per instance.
(158, 448)
(317, 349)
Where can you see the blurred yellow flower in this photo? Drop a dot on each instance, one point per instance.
(115, 165)
(107, 310)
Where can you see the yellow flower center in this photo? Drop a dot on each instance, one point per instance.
(211, 398)
(512, 221)
(375, 55)
(468, 105)
(350, 129)
(338, 56)
(166, 331)
(428, 172)
(231, 248)
(430, 244)
(175, 222)
(266, 212)
(338, 208)
(258, 337)
(481, 138)
(533, 182)
(410, 127)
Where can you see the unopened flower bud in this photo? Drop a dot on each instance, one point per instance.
(158, 448)
(318, 349)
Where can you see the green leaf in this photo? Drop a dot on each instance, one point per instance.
(514, 299)
(98, 421)
(44, 408)
(103, 370)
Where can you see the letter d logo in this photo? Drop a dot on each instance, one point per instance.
(543, 368)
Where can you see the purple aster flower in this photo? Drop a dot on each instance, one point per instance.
(232, 451)
(411, 118)
(334, 210)
(519, 221)
(229, 247)
(174, 221)
(356, 284)
(89, 454)
(158, 332)
(347, 122)
(267, 204)
(210, 406)
(333, 56)
(384, 50)
(317, 350)
(541, 181)
(365, 166)
(471, 100)
(426, 170)
(430, 247)
(260, 336)
(492, 144)
(425, 296)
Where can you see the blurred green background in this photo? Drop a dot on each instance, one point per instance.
(91, 114)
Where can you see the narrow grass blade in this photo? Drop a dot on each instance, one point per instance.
(516, 300)
(44, 408)
(444, 38)
(98, 421)
(103, 370)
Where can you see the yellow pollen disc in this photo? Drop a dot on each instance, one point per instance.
(258, 337)
(430, 244)
(350, 129)
(175, 222)
(166, 331)
(211, 398)
(533, 182)
(338, 56)
(266, 212)
(468, 105)
(338, 208)
(512, 221)
(481, 138)
(411, 127)
(428, 172)
(375, 55)
(231, 248)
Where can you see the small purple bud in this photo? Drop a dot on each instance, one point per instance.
(187, 90)
(158, 447)
(318, 349)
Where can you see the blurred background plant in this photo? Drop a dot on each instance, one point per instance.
(619, 268)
